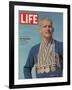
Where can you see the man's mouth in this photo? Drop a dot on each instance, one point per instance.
(48, 32)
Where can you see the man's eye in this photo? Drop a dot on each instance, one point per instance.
(49, 26)
(45, 26)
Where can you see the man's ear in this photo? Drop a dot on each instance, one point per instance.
(53, 29)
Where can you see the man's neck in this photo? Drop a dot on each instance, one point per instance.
(47, 40)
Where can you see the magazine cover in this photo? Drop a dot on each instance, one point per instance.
(40, 44)
(31, 40)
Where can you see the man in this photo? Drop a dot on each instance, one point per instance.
(46, 56)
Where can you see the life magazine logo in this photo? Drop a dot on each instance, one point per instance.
(29, 18)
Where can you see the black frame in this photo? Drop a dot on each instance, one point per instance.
(11, 44)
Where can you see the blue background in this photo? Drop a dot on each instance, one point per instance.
(29, 36)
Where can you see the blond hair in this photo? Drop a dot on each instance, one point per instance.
(45, 19)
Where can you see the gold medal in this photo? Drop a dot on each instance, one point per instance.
(42, 69)
(53, 68)
(47, 69)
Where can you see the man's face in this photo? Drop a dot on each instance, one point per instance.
(46, 29)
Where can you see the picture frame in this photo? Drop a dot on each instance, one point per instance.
(16, 79)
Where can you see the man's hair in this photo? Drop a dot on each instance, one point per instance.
(46, 19)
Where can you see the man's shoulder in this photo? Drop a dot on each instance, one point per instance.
(35, 48)
(59, 46)
(58, 42)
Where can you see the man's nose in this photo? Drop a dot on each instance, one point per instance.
(48, 27)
